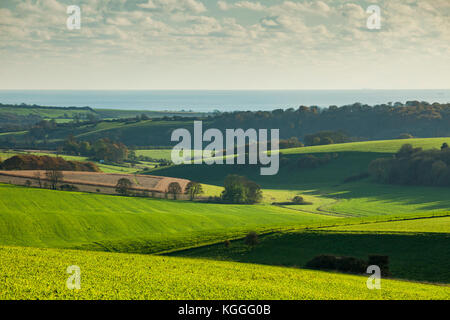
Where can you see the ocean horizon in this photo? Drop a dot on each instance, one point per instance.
(211, 100)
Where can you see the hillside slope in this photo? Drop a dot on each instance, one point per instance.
(30, 273)
(46, 218)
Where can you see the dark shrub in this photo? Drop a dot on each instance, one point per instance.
(251, 239)
(343, 264)
(298, 200)
(382, 262)
(326, 137)
(310, 161)
(326, 262)
(351, 264)
(68, 187)
(227, 243)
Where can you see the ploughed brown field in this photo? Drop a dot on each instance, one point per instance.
(140, 182)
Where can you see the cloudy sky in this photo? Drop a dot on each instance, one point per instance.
(225, 44)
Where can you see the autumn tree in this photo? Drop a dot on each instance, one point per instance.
(193, 189)
(123, 186)
(174, 188)
(54, 177)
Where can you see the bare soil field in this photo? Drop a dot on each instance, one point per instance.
(139, 182)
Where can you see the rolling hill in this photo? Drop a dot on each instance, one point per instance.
(31, 273)
(47, 218)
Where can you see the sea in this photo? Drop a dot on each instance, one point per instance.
(212, 100)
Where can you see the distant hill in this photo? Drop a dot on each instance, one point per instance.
(357, 122)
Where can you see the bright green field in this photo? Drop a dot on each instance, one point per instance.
(155, 153)
(198, 265)
(29, 273)
(434, 225)
(38, 217)
(417, 249)
(380, 146)
(325, 187)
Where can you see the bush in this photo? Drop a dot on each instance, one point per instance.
(240, 190)
(309, 161)
(68, 187)
(123, 186)
(227, 243)
(338, 263)
(251, 239)
(326, 137)
(382, 262)
(298, 200)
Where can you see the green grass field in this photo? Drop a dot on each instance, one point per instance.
(380, 146)
(37, 217)
(409, 224)
(155, 153)
(29, 273)
(417, 249)
(433, 225)
(46, 112)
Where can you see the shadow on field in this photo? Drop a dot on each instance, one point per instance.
(327, 181)
(419, 257)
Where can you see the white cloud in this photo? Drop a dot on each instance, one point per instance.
(256, 6)
(250, 5)
(174, 5)
(287, 33)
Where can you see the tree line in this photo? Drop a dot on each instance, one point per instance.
(99, 150)
(355, 122)
(414, 166)
(33, 162)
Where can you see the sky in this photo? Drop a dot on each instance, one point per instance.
(224, 44)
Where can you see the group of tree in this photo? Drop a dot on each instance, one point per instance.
(240, 190)
(237, 190)
(102, 149)
(123, 186)
(326, 137)
(193, 189)
(414, 166)
(359, 121)
(34, 162)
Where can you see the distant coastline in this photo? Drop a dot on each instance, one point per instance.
(210, 100)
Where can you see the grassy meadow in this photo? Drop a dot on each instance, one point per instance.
(30, 273)
(138, 248)
(37, 217)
